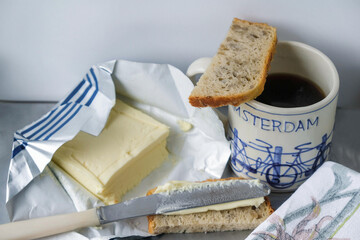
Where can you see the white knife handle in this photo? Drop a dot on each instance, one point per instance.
(41, 227)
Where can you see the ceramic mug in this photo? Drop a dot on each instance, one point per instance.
(283, 146)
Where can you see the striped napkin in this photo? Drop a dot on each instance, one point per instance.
(326, 206)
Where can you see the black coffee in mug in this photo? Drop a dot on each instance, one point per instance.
(290, 90)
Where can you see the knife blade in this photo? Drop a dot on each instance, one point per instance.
(205, 194)
(208, 193)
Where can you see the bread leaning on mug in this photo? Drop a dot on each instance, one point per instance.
(239, 218)
(238, 71)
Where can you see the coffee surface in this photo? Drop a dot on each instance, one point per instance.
(289, 90)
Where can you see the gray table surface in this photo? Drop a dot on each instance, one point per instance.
(13, 116)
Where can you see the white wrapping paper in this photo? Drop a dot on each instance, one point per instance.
(36, 187)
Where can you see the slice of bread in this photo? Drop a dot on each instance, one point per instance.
(241, 218)
(238, 71)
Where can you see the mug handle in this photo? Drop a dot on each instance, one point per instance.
(199, 66)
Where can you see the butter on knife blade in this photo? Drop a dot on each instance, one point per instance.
(207, 193)
(181, 185)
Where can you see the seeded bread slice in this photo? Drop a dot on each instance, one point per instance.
(238, 71)
(241, 218)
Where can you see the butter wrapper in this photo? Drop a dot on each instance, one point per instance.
(197, 145)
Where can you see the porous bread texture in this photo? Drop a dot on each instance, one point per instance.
(237, 73)
(241, 218)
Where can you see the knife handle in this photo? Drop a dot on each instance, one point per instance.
(41, 227)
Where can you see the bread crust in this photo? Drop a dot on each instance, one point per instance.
(151, 218)
(237, 99)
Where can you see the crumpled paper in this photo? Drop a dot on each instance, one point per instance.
(326, 206)
(36, 187)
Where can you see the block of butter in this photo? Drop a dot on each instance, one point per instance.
(130, 146)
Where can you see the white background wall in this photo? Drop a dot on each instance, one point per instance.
(47, 46)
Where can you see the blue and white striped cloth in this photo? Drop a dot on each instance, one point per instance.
(85, 108)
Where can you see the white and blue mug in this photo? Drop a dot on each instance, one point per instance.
(284, 146)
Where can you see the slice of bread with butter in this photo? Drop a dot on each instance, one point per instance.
(239, 215)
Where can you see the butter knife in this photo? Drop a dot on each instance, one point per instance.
(209, 193)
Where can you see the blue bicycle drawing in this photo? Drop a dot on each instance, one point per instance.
(275, 164)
